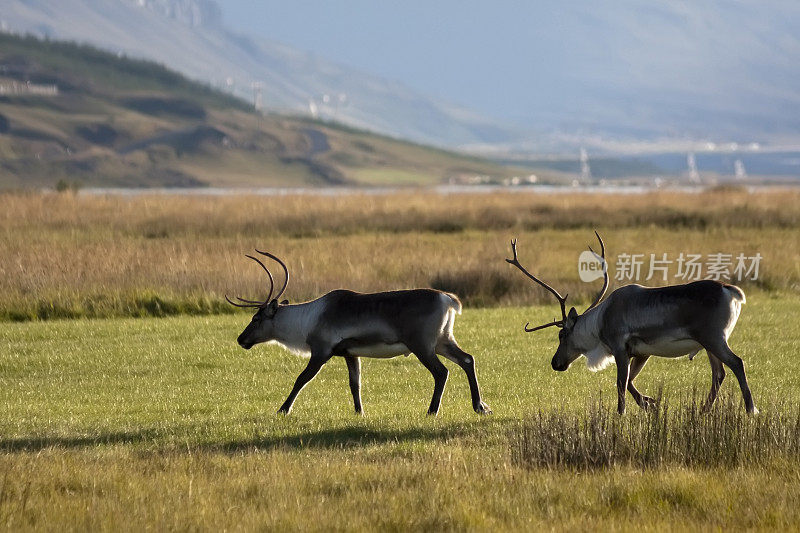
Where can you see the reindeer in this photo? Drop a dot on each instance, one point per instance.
(352, 325)
(635, 322)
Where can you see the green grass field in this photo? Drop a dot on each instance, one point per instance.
(128, 405)
(129, 424)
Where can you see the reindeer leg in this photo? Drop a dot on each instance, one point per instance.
(623, 368)
(637, 364)
(452, 351)
(354, 372)
(717, 376)
(719, 348)
(314, 364)
(439, 371)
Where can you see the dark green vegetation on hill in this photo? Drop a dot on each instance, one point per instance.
(121, 122)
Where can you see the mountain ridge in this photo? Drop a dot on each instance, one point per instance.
(74, 113)
(612, 76)
(168, 31)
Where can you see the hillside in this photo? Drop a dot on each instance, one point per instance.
(72, 112)
(545, 77)
(190, 37)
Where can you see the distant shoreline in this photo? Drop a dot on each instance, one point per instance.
(438, 189)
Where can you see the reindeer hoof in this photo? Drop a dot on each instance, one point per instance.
(284, 410)
(483, 409)
(647, 403)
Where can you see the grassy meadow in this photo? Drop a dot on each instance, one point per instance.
(128, 405)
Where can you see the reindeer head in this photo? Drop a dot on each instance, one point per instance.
(570, 346)
(262, 326)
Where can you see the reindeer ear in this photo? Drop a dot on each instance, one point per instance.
(572, 316)
(272, 308)
(285, 302)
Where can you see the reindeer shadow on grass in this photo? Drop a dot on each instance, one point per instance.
(347, 437)
(38, 443)
(352, 437)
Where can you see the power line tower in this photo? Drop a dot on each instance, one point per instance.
(586, 171)
(258, 88)
(691, 162)
(738, 169)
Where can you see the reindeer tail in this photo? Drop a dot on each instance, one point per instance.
(737, 293)
(456, 303)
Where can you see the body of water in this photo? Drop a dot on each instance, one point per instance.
(369, 191)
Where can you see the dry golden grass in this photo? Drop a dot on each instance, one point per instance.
(369, 489)
(313, 215)
(77, 255)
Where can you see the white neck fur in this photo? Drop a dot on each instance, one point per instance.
(586, 335)
(294, 323)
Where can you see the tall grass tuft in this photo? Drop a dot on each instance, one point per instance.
(482, 288)
(669, 434)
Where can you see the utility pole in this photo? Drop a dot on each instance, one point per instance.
(257, 87)
(691, 162)
(586, 172)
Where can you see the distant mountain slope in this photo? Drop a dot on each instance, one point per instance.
(716, 69)
(188, 35)
(611, 75)
(75, 113)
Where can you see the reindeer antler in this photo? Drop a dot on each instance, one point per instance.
(605, 272)
(285, 272)
(259, 304)
(562, 300)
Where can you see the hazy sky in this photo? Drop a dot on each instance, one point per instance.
(468, 52)
(516, 59)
